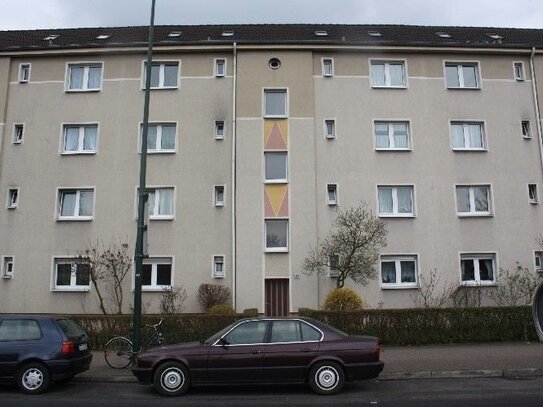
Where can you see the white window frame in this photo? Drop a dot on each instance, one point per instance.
(333, 135)
(535, 199)
(154, 261)
(395, 213)
(159, 125)
(519, 75)
(22, 67)
(460, 73)
(391, 139)
(335, 201)
(6, 262)
(16, 138)
(526, 129)
(479, 256)
(12, 203)
(397, 259)
(214, 272)
(216, 134)
(276, 180)
(275, 90)
(216, 189)
(85, 65)
(162, 63)
(387, 63)
(465, 132)
(80, 142)
(324, 64)
(77, 203)
(538, 258)
(67, 288)
(217, 62)
(155, 216)
(472, 212)
(276, 249)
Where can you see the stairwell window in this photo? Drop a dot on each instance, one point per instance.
(218, 267)
(276, 167)
(333, 261)
(518, 71)
(330, 129)
(220, 67)
(219, 130)
(276, 235)
(84, 77)
(327, 67)
(275, 103)
(331, 194)
(218, 195)
(24, 73)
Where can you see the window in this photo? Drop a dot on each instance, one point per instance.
(18, 133)
(518, 69)
(333, 261)
(532, 194)
(24, 73)
(13, 198)
(330, 128)
(219, 129)
(525, 127)
(477, 268)
(286, 331)
(76, 204)
(219, 195)
(20, 330)
(462, 75)
(79, 139)
(331, 194)
(395, 201)
(388, 74)
(327, 67)
(161, 137)
(7, 267)
(218, 266)
(84, 77)
(247, 333)
(220, 67)
(398, 271)
(163, 75)
(473, 200)
(467, 136)
(71, 275)
(276, 167)
(156, 274)
(275, 103)
(309, 333)
(392, 136)
(538, 260)
(276, 235)
(160, 203)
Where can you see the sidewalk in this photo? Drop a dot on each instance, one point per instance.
(511, 359)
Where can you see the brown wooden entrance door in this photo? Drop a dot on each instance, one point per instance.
(277, 303)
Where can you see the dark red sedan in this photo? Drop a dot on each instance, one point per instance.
(263, 350)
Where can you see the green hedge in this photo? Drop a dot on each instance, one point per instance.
(434, 325)
(175, 328)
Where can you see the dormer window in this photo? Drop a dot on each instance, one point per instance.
(495, 36)
(103, 36)
(321, 33)
(374, 34)
(174, 34)
(228, 33)
(443, 35)
(51, 37)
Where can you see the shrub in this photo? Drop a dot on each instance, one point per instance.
(221, 309)
(172, 300)
(250, 312)
(343, 299)
(212, 294)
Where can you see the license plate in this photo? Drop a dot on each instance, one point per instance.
(83, 346)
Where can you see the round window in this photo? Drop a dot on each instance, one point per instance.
(274, 63)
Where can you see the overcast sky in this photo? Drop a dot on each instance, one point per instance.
(29, 14)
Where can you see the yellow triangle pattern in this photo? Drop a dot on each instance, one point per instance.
(283, 128)
(276, 194)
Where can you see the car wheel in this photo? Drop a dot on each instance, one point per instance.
(326, 378)
(33, 378)
(172, 379)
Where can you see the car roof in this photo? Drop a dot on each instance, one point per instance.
(30, 316)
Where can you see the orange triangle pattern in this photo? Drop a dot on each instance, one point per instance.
(276, 200)
(275, 134)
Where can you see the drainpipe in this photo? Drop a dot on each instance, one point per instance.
(234, 126)
(536, 104)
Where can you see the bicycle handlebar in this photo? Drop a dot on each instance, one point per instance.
(155, 326)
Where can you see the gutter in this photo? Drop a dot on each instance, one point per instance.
(536, 105)
(234, 126)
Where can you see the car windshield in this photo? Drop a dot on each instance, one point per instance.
(216, 336)
(70, 328)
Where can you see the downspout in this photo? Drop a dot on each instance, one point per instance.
(536, 104)
(234, 126)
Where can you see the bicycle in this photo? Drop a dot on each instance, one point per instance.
(118, 350)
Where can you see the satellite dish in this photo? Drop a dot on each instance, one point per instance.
(538, 311)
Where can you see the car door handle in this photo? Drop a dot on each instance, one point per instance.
(255, 352)
(305, 350)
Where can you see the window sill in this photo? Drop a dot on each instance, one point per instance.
(276, 250)
(219, 277)
(534, 202)
(78, 153)
(410, 286)
(393, 149)
(275, 117)
(71, 289)
(476, 284)
(12, 207)
(162, 88)
(475, 215)
(276, 181)
(388, 87)
(463, 88)
(396, 215)
(219, 205)
(218, 138)
(156, 289)
(160, 218)
(158, 152)
(467, 150)
(75, 218)
(82, 90)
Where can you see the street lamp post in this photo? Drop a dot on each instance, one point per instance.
(141, 251)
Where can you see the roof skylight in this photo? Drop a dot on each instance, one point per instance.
(103, 36)
(228, 33)
(51, 37)
(495, 36)
(443, 34)
(321, 33)
(374, 34)
(174, 34)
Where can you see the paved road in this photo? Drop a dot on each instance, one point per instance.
(442, 393)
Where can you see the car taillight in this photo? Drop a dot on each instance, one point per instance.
(68, 347)
(377, 351)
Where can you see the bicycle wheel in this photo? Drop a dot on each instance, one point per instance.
(118, 352)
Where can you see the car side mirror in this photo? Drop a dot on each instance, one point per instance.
(223, 342)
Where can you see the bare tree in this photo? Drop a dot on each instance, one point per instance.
(108, 267)
(172, 300)
(428, 295)
(469, 295)
(353, 244)
(515, 288)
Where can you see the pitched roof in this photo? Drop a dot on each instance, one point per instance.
(311, 34)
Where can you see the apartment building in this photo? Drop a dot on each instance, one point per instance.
(258, 134)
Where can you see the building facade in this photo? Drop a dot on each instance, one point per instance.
(258, 135)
